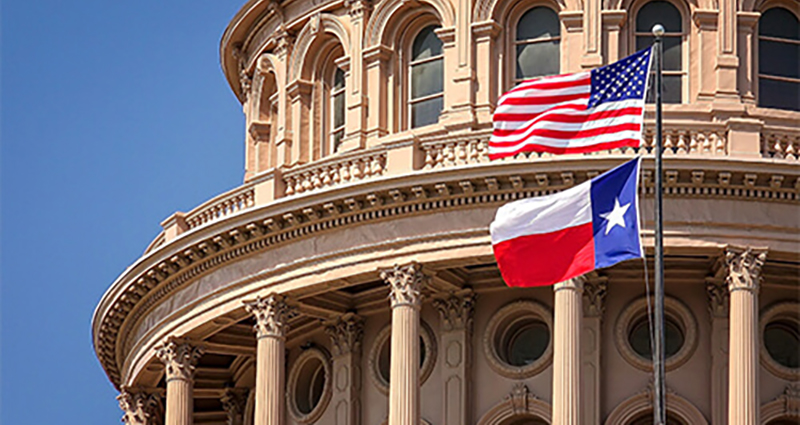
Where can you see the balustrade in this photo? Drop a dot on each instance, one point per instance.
(333, 172)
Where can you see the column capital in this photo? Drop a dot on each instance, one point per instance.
(272, 314)
(346, 334)
(575, 284)
(718, 298)
(404, 283)
(594, 297)
(743, 267)
(455, 309)
(140, 406)
(180, 358)
(233, 402)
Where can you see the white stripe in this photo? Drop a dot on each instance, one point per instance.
(535, 109)
(555, 79)
(564, 126)
(567, 143)
(543, 214)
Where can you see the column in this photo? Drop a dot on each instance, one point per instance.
(405, 283)
(283, 134)
(234, 401)
(709, 66)
(613, 21)
(356, 121)
(594, 296)
(485, 59)
(140, 407)
(567, 351)
(271, 314)
(743, 279)
(455, 357)
(376, 64)
(179, 358)
(747, 77)
(718, 300)
(346, 334)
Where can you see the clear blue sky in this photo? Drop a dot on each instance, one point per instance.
(114, 115)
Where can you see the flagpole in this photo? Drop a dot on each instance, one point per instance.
(659, 412)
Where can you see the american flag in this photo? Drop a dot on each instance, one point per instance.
(574, 113)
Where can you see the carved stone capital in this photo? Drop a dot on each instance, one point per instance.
(718, 298)
(179, 358)
(594, 297)
(456, 309)
(272, 314)
(358, 8)
(404, 283)
(519, 398)
(576, 283)
(743, 268)
(346, 334)
(140, 407)
(233, 402)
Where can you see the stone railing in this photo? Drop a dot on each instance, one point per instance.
(347, 168)
(780, 143)
(689, 140)
(236, 200)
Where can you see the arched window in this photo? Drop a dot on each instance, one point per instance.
(779, 59)
(664, 13)
(427, 78)
(537, 44)
(337, 109)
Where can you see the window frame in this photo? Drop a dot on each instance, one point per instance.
(409, 68)
(517, 17)
(757, 56)
(508, 77)
(332, 93)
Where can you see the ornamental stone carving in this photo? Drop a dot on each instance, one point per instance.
(594, 297)
(271, 314)
(404, 283)
(744, 268)
(346, 334)
(456, 310)
(718, 298)
(234, 401)
(179, 358)
(140, 407)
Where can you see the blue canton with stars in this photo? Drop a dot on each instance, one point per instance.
(622, 80)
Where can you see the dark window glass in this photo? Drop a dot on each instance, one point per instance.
(782, 340)
(427, 78)
(672, 50)
(524, 342)
(659, 12)
(310, 385)
(337, 104)
(664, 13)
(647, 419)
(779, 59)
(385, 357)
(639, 338)
(537, 44)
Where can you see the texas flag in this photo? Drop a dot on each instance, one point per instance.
(550, 239)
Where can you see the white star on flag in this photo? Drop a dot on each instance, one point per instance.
(616, 217)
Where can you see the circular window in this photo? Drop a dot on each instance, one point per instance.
(518, 339)
(632, 334)
(780, 341)
(381, 356)
(309, 387)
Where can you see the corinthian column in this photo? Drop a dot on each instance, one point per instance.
(567, 352)
(405, 283)
(140, 407)
(233, 402)
(346, 334)
(271, 315)
(743, 279)
(179, 358)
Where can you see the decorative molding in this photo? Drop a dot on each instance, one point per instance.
(744, 268)
(520, 403)
(140, 406)
(594, 297)
(456, 310)
(346, 334)
(506, 316)
(318, 24)
(180, 358)
(718, 298)
(294, 377)
(405, 283)
(642, 402)
(234, 402)
(788, 311)
(784, 406)
(271, 314)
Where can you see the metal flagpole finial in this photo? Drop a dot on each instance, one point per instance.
(658, 30)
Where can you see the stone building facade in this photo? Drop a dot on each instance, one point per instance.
(350, 279)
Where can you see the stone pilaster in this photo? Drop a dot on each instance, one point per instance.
(346, 335)
(271, 314)
(234, 401)
(485, 36)
(743, 277)
(455, 358)
(594, 296)
(718, 298)
(140, 407)
(567, 352)
(356, 121)
(405, 283)
(179, 358)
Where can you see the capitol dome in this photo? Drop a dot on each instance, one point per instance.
(350, 278)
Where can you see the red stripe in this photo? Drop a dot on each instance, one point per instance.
(630, 143)
(546, 84)
(569, 118)
(510, 116)
(546, 259)
(559, 134)
(543, 100)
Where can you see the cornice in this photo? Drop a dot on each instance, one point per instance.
(179, 261)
